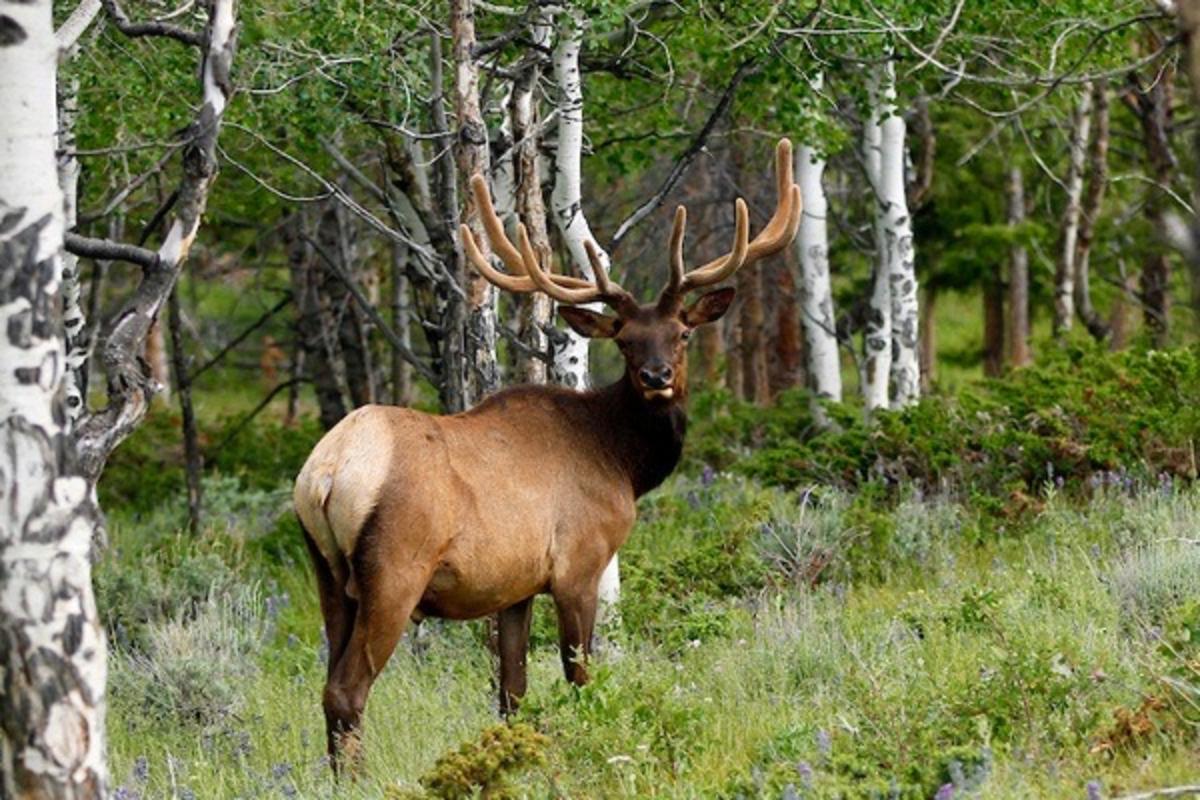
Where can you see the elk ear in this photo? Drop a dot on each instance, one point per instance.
(589, 324)
(709, 307)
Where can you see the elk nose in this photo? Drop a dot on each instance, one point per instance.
(656, 377)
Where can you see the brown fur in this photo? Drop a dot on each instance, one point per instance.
(532, 491)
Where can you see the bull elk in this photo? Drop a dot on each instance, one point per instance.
(409, 515)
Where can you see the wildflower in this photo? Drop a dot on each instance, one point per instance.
(1094, 791)
(141, 769)
(806, 774)
(824, 743)
(707, 476)
(946, 792)
(789, 793)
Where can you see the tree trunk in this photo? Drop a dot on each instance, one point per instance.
(993, 326)
(74, 321)
(928, 354)
(156, 360)
(877, 338)
(192, 459)
(1119, 320)
(52, 649)
(566, 200)
(471, 158)
(533, 310)
(402, 380)
(316, 340)
(785, 357)
(345, 319)
(129, 390)
(1018, 275)
(816, 297)
(901, 263)
(1093, 199)
(1064, 275)
(733, 353)
(712, 347)
(751, 322)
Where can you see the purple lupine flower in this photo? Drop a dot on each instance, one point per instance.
(806, 774)
(946, 792)
(141, 769)
(707, 476)
(824, 743)
(1094, 792)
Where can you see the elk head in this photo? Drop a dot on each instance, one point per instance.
(653, 336)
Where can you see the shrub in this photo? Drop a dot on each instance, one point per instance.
(482, 767)
(194, 669)
(1151, 582)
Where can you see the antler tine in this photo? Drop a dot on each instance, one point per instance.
(508, 253)
(779, 231)
(675, 283)
(543, 282)
(719, 269)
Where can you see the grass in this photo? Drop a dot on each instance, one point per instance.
(998, 665)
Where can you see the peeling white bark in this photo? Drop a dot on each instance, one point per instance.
(877, 338)
(812, 248)
(566, 200)
(52, 652)
(898, 240)
(1064, 277)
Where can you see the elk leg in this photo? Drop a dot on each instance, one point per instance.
(514, 645)
(387, 604)
(336, 608)
(576, 619)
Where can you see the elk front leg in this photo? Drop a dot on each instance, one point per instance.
(514, 645)
(576, 621)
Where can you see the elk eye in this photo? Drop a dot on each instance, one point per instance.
(687, 334)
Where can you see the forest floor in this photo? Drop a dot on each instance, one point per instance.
(756, 656)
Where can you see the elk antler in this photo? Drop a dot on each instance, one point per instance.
(526, 273)
(778, 233)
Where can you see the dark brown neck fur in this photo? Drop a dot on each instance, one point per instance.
(642, 439)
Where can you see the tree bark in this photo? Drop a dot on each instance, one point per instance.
(928, 353)
(1064, 275)
(471, 157)
(751, 322)
(877, 338)
(785, 357)
(402, 380)
(816, 297)
(566, 199)
(533, 310)
(1152, 106)
(52, 650)
(192, 458)
(1018, 275)
(1093, 199)
(315, 338)
(993, 326)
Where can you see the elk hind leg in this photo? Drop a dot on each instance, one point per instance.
(387, 600)
(514, 646)
(337, 609)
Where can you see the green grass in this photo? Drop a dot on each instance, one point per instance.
(1002, 665)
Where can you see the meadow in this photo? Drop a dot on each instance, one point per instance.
(931, 607)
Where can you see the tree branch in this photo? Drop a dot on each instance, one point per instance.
(139, 29)
(75, 25)
(87, 247)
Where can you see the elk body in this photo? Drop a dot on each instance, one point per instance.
(409, 515)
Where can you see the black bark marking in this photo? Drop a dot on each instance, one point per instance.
(9, 220)
(73, 633)
(11, 32)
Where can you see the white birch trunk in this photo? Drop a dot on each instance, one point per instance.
(52, 651)
(1064, 277)
(877, 339)
(898, 240)
(566, 200)
(812, 247)
(73, 317)
(566, 205)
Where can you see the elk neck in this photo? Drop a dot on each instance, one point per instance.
(644, 439)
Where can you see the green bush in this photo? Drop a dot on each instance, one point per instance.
(194, 668)
(1077, 416)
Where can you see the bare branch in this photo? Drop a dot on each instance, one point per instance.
(103, 249)
(157, 28)
(75, 25)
